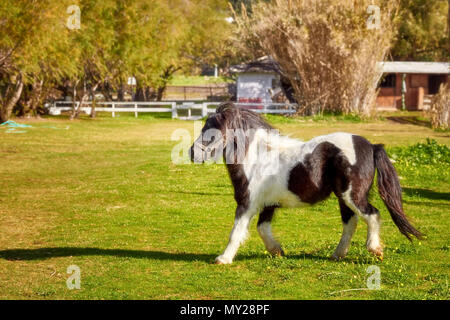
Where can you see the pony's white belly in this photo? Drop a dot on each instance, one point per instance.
(269, 194)
(290, 200)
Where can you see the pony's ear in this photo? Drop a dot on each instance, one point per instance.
(225, 106)
(219, 118)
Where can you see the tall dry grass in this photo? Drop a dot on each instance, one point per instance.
(324, 48)
(440, 108)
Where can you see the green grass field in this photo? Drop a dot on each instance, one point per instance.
(182, 80)
(103, 195)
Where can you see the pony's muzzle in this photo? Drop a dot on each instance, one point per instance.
(196, 154)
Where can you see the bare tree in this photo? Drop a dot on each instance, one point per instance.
(440, 108)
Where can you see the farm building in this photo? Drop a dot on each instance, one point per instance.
(419, 80)
(260, 81)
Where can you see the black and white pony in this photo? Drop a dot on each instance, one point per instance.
(292, 173)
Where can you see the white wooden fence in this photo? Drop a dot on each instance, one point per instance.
(189, 108)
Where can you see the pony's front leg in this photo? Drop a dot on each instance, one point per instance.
(237, 236)
(265, 231)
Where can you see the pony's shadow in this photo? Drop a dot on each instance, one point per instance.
(429, 194)
(58, 252)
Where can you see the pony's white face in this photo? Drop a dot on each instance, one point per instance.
(210, 144)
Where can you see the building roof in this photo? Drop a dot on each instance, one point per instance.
(263, 65)
(267, 64)
(416, 67)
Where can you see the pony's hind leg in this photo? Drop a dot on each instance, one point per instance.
(237, 236)
(370, 215)
(373, 220)
(265, 231)
(349, 221)
(353, 183)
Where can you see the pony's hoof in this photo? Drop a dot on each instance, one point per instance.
(335, 257)
(378, 252)
(222, 260)
(277, 252)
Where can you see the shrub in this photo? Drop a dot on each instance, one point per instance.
(428, 153)
(327, 49)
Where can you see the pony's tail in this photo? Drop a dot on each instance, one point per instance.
(391, 192)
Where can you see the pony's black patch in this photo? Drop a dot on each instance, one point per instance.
(266, 214)
(346, 212)
(362, 173)
(240, 185)
(313, 179)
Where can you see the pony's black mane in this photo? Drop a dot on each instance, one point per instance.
(238, 118)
